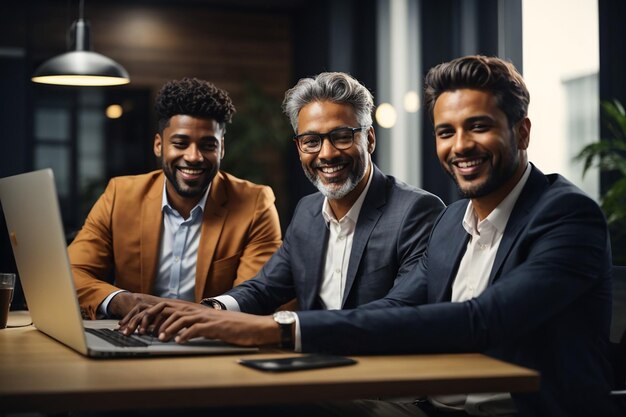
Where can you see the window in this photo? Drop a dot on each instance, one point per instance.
(561, 64)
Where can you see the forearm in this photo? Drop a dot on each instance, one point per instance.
(90, 291)
(272, 287)
(437, 327)
(256, 297)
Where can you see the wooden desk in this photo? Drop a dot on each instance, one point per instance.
(40, 374)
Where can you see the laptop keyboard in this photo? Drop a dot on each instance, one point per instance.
(116, 338)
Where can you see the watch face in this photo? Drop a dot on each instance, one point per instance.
(285, 317)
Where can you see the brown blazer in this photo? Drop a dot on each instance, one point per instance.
(118, 246)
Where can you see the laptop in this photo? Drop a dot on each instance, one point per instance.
(33, 217)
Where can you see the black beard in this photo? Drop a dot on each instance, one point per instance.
(186, 193)
(494, 182)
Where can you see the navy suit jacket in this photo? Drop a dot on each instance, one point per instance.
(389, 238)
(547, 305)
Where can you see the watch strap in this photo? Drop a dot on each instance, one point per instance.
(286, 325)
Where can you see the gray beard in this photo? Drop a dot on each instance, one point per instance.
(337, 193)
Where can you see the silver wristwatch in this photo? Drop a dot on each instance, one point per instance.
(286, 321)
(213, 303)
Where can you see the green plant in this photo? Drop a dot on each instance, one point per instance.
(609, 155)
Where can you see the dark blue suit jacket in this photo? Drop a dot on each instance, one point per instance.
(547, 305)
(390, 237)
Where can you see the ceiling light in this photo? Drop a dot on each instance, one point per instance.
(81, 66)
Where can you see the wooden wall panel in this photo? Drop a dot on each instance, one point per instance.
(160, 42)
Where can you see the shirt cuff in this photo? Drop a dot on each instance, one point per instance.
(297, 343)
(103, 308)
(229, 301)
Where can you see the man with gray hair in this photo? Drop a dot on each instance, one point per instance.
(347, 244)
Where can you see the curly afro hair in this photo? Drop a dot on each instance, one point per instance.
(193, 97)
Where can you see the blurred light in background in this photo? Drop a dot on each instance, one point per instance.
(114, 111)
(386, 115)
(411, 101)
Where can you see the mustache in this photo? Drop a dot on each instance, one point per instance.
(194, 166)
(464, 157)
(329, 162)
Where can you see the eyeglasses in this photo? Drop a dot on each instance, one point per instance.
(341, 139)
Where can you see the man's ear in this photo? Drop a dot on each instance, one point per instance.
(523, 133)
(371, 140)
(158, 145)
(222, 146)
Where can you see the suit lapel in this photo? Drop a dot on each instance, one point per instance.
(151, 226)
(371, 211)
(213, 219)
(456, 238)
(533, 189)
(314, 255)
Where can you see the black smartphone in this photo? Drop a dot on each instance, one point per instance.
(297, 363)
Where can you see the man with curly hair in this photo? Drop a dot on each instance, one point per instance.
(185, 232)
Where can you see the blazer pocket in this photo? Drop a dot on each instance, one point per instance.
(226, 266)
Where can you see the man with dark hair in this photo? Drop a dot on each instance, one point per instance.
(348, 244)
(187, 232)
(519, 270)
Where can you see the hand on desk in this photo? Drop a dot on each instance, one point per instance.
(181, 322)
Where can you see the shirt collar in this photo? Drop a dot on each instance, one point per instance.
(200, 206)
(500, 215)
(353, 213)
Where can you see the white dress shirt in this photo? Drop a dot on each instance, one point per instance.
(332, 297)
(341, 233)
(338, 249)
(180, 240)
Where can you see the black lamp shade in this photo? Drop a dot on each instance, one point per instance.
(84, 68)
(81, 67)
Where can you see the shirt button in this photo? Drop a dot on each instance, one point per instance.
(176, 259)
(341, 238)
(337, 271)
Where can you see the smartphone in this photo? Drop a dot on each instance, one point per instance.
(297, 363)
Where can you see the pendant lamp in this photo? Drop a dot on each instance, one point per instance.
(81, 66)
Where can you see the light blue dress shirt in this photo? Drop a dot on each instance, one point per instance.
(180, 240)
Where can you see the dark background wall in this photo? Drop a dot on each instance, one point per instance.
(255, 50)
(239, 45)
